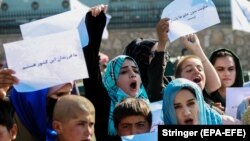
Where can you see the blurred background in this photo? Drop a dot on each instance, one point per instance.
(130, 19)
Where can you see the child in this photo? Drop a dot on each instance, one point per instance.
(8, 128)
(132, 116)
(74, 118)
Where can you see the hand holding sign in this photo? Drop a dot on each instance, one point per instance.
(46, 61)
(189, 16)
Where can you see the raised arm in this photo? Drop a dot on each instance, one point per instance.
(95, 23)
(158, 64)
(162, 29)
(192, 43)
(94, 88)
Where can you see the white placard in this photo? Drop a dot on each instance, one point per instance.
(234, 97)
(189, 16)
(46, 61)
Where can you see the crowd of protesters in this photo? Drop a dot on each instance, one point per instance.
(116, 101)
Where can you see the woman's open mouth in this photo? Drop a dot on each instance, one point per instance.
(189, 121)
(197, 79)
(133, 85)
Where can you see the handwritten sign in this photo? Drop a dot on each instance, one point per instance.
(70, 20)
(189, 16)
(233, 98)
(142, 137)
(157, 115)
(46, 61)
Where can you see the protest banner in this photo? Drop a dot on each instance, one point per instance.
(189, 16)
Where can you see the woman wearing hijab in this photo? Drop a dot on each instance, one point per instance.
(183, 104)
(121, 79)
(228, 67)
(152, 57)
(33, 110)
(191, 109)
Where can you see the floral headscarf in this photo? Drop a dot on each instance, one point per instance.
(110, 78)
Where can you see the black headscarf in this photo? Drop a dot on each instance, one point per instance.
(239, 81)
(140, 50)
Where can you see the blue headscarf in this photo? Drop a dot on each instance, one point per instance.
(31, 110)
(110, 78)
(207, 116)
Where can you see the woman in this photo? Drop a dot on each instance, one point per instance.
(197, 68)
(121, 79)
(228, 67)
(33, 110)
(152, 57)
(183, 104)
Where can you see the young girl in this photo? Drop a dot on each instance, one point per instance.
(121, 79)
(228, 67)
(198, 69)
(183, 104)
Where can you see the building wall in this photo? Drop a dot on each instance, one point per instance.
(123, 29)
(211, 39)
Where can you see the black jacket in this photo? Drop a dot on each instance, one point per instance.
(239, 81)
(94, 88)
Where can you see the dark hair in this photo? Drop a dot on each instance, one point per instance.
(223, 52)
(6, 114)
(140, 50)
(130, 107)
(220, 54)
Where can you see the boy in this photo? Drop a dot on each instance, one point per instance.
(8, 128)
(132, 116)
(74, 118)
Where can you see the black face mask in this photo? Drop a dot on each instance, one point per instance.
(51, 102)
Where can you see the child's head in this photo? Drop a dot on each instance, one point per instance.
(8, 128)
(74, 118)
(132, 116)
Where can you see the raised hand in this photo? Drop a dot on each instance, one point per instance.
(162, 29)
(96, 10)
(192, 43)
